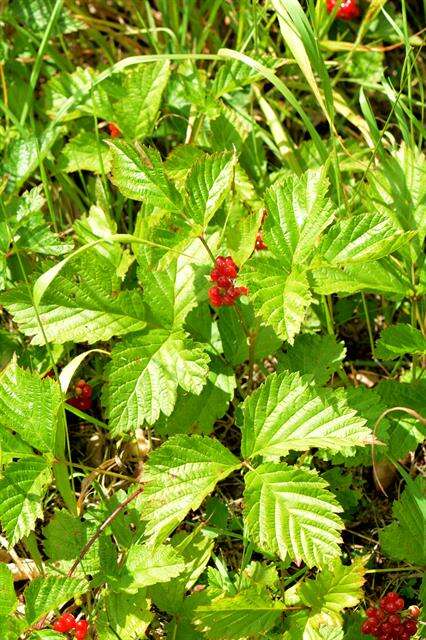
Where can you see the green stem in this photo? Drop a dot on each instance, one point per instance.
(369, 329)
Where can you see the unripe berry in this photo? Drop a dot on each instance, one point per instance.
(414, 611)
(259, 244)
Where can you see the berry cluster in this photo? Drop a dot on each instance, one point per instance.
(386, 622)
(225, 293)
(260, 245)
(348, 9)
(66, 622)
(113, 130)
(82, 396)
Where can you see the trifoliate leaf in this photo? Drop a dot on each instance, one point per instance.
(207, 185)
(405, 538)
(22, 488)
(289, 511)
(83, 303)
(45, 594)
(400, 339)
(144, 374)
(180, 474)
(287, 413)
(30, 406)
(319, 356)
(142, 177)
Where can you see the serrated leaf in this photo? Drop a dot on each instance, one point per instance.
(286, 413)
(290, 511)
(246, 614)
(8, 598)
(280, 298)
(145, 566)
(180, 474)
(198, 413)
(30, 405)
(47, 593)
(381, 276)
(83, 303)
(316, 355)
(122, 615)
(179, 162)
(36, 15)
(400, 339)
(62, 525)
(195, 549)
(85, 152)
(207, 185)
(361, 238)
(145, 372)
(143, 85)
(298, 213)
(21, 492)
(405, 539)
(142, 177)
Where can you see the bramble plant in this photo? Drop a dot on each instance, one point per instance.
(213, 328)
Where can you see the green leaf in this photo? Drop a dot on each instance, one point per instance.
(405, 538)
(85, 152)
(21, 493)
(289, 511)
(47, 593)
(207, 185)
(286, 413)
(145, 566)
(381, 276)
(142, 177)
(30, 406)
(400, 339)
(83, 303)
(8, 598)
(298, 213)
(136, 112)
(198, 413)
(144, 374)
(179, 162)
(280, 298)
(195, 549)
(180, 474)
(316, 355)
(361, 238)
(246, 614)
(122, 615)
(64, 524)
(36, 14)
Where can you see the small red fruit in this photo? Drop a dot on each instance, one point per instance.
(394, 619)
(399, 603)
(259, 244)
(366, 627)
(113, 130)
(81, 629)
(64, 623)
(348, 9)
(372, 612)
(410, 627)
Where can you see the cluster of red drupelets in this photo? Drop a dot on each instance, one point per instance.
(67, 623)
(386, 622)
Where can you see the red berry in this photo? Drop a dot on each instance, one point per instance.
(399, 603)
(81, 629)
(404, 636)
(414, 611)
(64, 623)
(394, 619)
(392, 595)
(390, 606)
(372, 612)
(410, 627)
(113, 130)
(259, 244)
(348, 9)
(86, 391)
(366, 627)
